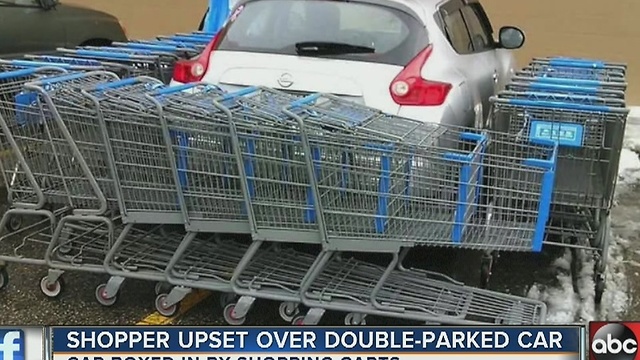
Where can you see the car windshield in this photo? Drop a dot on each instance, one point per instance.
(323, 28)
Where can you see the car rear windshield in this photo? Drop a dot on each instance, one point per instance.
(392, 36)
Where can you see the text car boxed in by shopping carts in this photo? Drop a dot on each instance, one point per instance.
(580, 104)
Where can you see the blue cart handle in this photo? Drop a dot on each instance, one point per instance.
(68, 60)
(576, 63)
(203, 33)
(142, 46)
(549, 163)
(105, 54)
(132, 51)
(63, 78)
(174, 44)
(190, 39)
(28, 63)
(195, 35)
(559, 105)
(305, 100)
(244, 92)
(175, 89)
(561, 97)
(116, 84)
(567, 81)
(18, 73)
(542, 86)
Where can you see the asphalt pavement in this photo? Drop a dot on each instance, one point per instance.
(22, 302)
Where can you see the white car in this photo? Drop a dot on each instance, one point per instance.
(430, 60)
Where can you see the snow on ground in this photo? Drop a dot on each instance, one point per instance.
(567, 306)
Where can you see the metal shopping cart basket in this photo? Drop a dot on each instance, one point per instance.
(78, 64)
(590, 132)
(581, 65)
(141, 161)
(180, 50)
(569, 76)
(82, 179)
(155, 64)
(212, 190)
(180, 44)
(187, 38)
(279, 157)
(55, 169)
(22, 138)
(541, 86)
(136, 149)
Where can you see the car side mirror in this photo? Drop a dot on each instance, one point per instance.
(510, 37)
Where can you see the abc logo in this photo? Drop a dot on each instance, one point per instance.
(614, 342)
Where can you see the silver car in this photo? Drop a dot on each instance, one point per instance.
(431, 60)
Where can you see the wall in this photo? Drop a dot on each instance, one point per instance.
(149, 18)
(584, 28)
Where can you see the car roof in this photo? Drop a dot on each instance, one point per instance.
(422, 10)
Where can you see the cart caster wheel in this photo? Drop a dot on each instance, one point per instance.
(14, 224)
(298, 320)
(288, 311)
(226, 299)
(4, 278)
(101, 296)
(163, 309)
(485, 274)
(599, 290)
(353, 319)
(65, 249)
(230, 318)
(51, 290)
(161, 288)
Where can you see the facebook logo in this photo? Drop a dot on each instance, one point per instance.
(12, 346)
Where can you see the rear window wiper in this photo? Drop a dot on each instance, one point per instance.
(331, 48)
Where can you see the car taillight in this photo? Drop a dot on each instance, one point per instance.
(409, 88)
(193, 70)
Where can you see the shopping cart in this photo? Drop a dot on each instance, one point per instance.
(168, 45)
(189, 39)
(73, 64)
(278, 161)
(179, 50)
(541, 86)
(132, 116)
(582, 65)
(80, 178)
(76, 104)
(590, 131)
(145, 62)
(26, 157)
(211, 189)
(571, 76)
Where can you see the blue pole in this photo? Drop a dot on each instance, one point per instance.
(216, 15)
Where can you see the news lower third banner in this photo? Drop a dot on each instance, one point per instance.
(316, 343)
